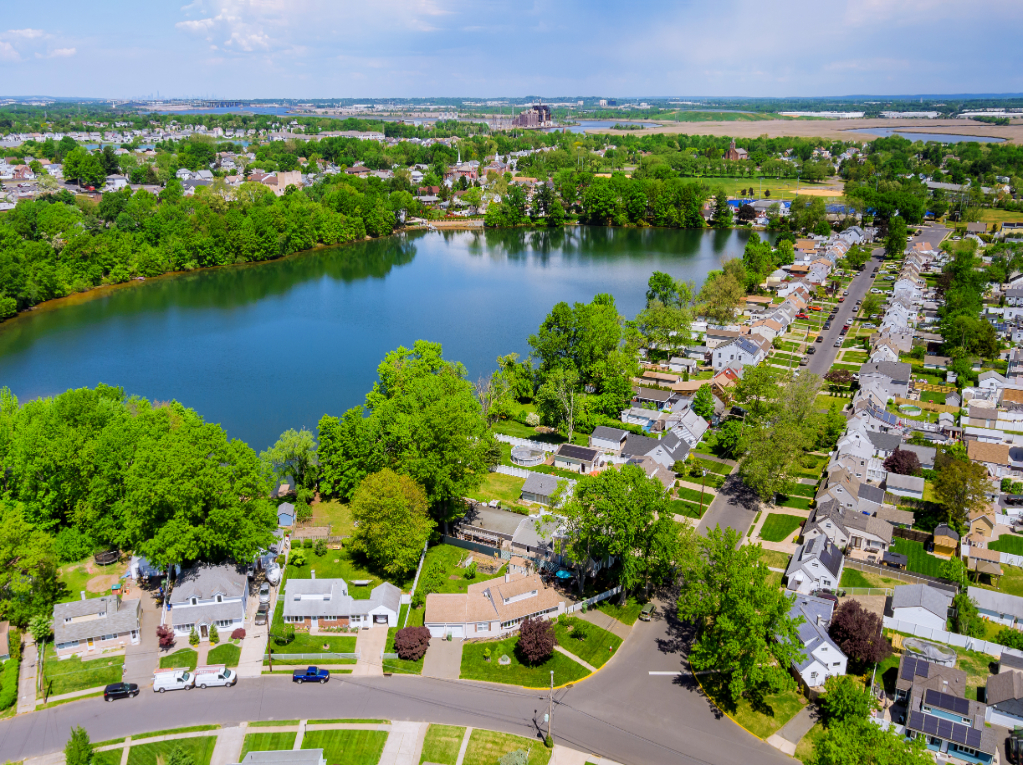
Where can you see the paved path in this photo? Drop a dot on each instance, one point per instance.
(575, 658)
(463, 747)
(444, 659)
(370, 643)
(27, 678)
(228, 748)
(140, 660)
(605, 621)
(402, 743)
(793, 731)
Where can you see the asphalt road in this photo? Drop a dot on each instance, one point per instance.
(824, 356)
(622, 712)
(735, 505)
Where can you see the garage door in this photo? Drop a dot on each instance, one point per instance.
(438, 630)
(457, 630)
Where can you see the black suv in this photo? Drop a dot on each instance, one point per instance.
(120, 691)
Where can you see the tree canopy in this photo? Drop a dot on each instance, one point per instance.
(392, 521)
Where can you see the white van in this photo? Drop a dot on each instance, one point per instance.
(215, 674)
(172, 680)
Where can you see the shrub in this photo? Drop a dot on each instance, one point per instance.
(71, 545)
(411, 643)
(536, 640)
(1006, 486)
(238, 634)
(320, 548)
(78, 750)
(532, 419)
(9, 673)
(470, 571)
(214, 634)
(303, 512)
(487, 653)
(166, 636)
(1010, 638)
(282, 634)
(193, 637)
(297, 558)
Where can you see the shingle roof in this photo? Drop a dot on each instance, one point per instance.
(207, 613)
(1004, 686)
(108, 615)
(608, 434)
(638, 445)
(904, 482)
(896, 370)
(926, 454)
(285, 757)
(997, 454)
(871, 493)
(923, 596)
(491, 519)
(884, 442)
(999, 602)
(206, 580)
(541, 484)
(944, 530)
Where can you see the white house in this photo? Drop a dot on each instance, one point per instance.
(820, 658)
(921, 604)
(816, 565)
(326, 603)
(609, 440)
(905, 486)
(95, 625)
(690, 428)
(998, 606)
(741, 352)
(208, 595)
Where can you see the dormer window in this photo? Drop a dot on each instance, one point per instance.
(195, 601)
(67, 620)
(220, 598)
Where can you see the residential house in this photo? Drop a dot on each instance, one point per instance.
(998, 606)
(925, 454)
(905, 486)
(690, 428)
(894, 375)
(716, 337)
(207, 595)
(645, 418)
(661, 399)
(953, 726)
(608, 440)
(863, 468)
(493, 608)
(679, 365)
(884, 443)
(921, 604)
(827, 520)
(741, 352)
(285, 514)
(95, 625)
(916, 671)
(884, 351)
(668, 450)
(539, 487)
(939, 363)
(896, 517)
(1004, 697)
(577, 459)
(843, 488)
(946, 541)
(819, 658)
(768, 328)
(488, 525)
(984, 561)
(816, 565)
(995, 457)
(982, 525)
(326, 603)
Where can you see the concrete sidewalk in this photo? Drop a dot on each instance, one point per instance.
(793, 731)
(602, 620)
(27, 677)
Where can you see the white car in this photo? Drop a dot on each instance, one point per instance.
(215, 674)
(264, 592)
(875, 291)
(273, 575)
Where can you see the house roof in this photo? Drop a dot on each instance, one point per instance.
(502, 522)
(893, 515)
(925, 454)
(1005, 686)
(1012, 396)
(896, 370)
(869, 525)
(94, 617)
(944, 530)
(206, 580)
(609, 434)
(812, 630)
(922, 596)
(541, 484)
(871, 493)
(915, 671)
(486, 601)
(582, 453)
(904, 482)
(999, 602)
(638, 445)
(207, 613)
(652, 394)
(823, 550)
(996, 454)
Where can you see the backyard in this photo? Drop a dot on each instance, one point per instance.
(920, 560)
(505, 488)
(476, 667)
(1008, 543)
(339, 564)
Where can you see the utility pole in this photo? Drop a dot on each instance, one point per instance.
(703, 478)
(550, 712)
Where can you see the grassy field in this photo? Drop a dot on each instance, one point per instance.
(73, 674)
(694, 495)
(336, 515)
(1008, 543)
(796, 503)
(994, 215)
(476, 667)
(802, 490)
(778, 708)
(506, 488)
(401, 666)
(779, 527)
(266, 742)
(352, 747)
(200, 748)
(920, 560)
(715, 467)
(487, 747)
(226, 654)
(688, 509)
(340, 564)
(587, 641)
(1010, 582)
(853, 578)
(109, 757)
(806, 748)
(186, 658)
(775, 559)
(441, 744)
(626, 614)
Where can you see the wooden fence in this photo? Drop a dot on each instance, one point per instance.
(906, 577)
(917, 536)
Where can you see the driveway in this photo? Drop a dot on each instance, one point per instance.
(140, 660)
(444, 659)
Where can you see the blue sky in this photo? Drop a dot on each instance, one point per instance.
(380, 48)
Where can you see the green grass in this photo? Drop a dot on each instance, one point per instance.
(627, 614)
(75, 578)
(73, 674)
(109, 757)
(856, 357)
(185, 658)
(845, 367)
(266, 742)
(109, 742)
(715, 467)
(797, 503)
(775, 559)
(351, 721)
(853, 578)
(919, 560)
(449, 556)
(170, 731)
(351, 747)
(336, 515)
(688, 509)
(693, 495)
(487, 747)
(977, 667)
(802, 490)
(506, 488)
(340, 564)
(1008, 543)
(226, 654)
(761, 721)
(1010, 582)
(441, 744)
(475, 666)
(806, 748)
(401, 666)
(932, 397)
(597, 646)
(306, 643)
(200, 749)
(779, 527)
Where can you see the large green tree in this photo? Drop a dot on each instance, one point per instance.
(393, 522)
(961, 487)
(28, 568)
(294, 455)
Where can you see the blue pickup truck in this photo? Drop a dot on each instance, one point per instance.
(310, 675)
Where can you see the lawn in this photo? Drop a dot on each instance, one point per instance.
(715, 467)
(200, 749)
(688, 509)
(441, 744)
(340, 564)
(186, 658)
(762, 721)
(858, 357)
(506, 488)
(352, 747)
(109, 757)
(401, 666)
(448, 557)
(626, 614)
(932, 397)
(476, 667)
(73, 674)
(779, 527)
(977, 667)
(845, 368)
(487, 747)
(336, 515)
(227, 654)
(694, 495)
(805, 749)
(797, 503)
(1008, 543)
(920, 560)
(594, 645)
(306, 643)
(802, 490)
(266, 742)
(75, 578)
(172, 731)
(1010, 582)
(853, 578)
(518, 430)
(775, 559)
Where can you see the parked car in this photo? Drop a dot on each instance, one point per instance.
(845, 292)
(804, 361)
(310, 675)
(827, 325)
(841, 300)
(120, 691)
(264, 592)
(838, 343)
(273, 574)
(826, 595)
(215, 674)
(869, 325)
(173, 680)
(875, 291)
(820, 339)
(647, 612)
(810, 351)
(261, 613)
(802, 315)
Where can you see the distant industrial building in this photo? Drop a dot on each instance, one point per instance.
(537, 116)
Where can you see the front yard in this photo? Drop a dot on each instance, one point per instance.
(778, 527)
(226, 654)
(585, 640)
(761, 719)
(351, 747)
(487, 747)
(476, 667)
(200, 749)
(267, 742)
(400, 666)
(73, 674)
(626, 614)
(185, 658)
(442, 743)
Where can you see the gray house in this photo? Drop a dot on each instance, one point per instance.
(905, 485)
(326, 602)
(539, 487)
(607, 439)
(208, 595)
(94, 625)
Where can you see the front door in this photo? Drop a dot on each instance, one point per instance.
(204, 631)
(91, 643)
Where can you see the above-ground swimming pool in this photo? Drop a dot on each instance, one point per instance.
(910, 409)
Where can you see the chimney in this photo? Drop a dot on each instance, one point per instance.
(312, 574)
(82, 592)
(819, 621)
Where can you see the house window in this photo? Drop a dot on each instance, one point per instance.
(813, 675)
(195, 601)
(220, 598)
(483, 626)
(224, 623)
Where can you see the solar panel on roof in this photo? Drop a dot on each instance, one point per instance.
(959, 733)
(973, 738)
(922, 667)
(960, 706)
(908, 668)
(944, 728)
(916, 720)
(930, 725)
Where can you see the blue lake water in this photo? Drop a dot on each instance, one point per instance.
(262, 348)
(939, 137)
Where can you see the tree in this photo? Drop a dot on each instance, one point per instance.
(722, 295)
(895, 242)
(28, 568)
(411, 643)
(41, 627)
(961, 487)
(857, 257)
(955, 570)
(180, 756)
(747, 213)
(872, 304)
(78, 750)
(858, 741)
(558, 401)
(495, 395)
(756, 391)
(968, 620)
(165, 635)
(903, 462)
(214, 634)
(858, 633)
(392, 521)
(703, 402)
(293, 455)
(845, 699)
(744, 631)
(536, 639)
(722, 215)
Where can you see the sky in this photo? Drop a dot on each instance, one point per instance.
(494, 48)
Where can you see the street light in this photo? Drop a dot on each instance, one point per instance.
(703, 475)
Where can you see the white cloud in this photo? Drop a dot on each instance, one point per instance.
(196, 26)
(8, 53)
(27, 34)
(58, 53)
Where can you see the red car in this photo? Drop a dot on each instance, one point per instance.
(816, 308)
(841, 300)
(802, 316)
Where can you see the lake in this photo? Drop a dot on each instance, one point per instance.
(584, 125)
(939, 137)
(265, 347)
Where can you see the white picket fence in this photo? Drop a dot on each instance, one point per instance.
(1007, 558)
(950, 638)
(538, 445)
(595, 599)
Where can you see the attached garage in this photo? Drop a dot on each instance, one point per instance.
(443, 630)
(445, 615)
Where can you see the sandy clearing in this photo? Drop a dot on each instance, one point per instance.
(101, 583)
(820, 192)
